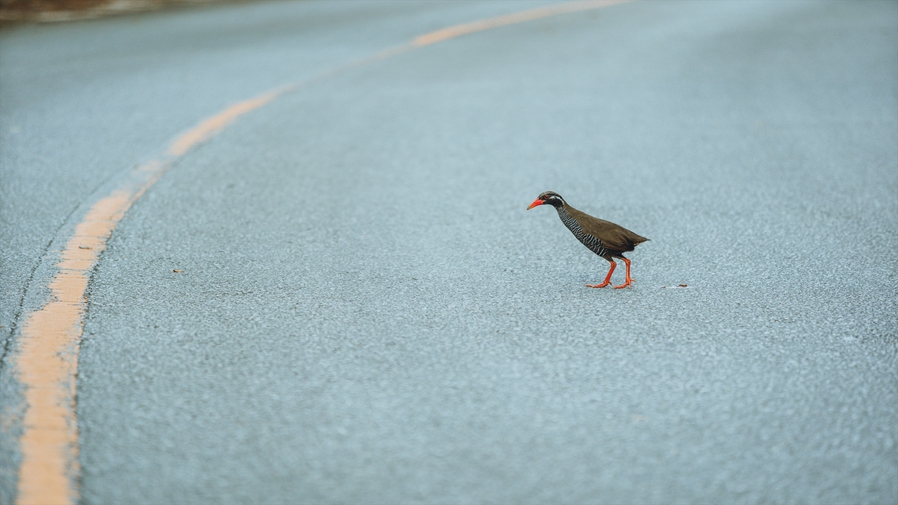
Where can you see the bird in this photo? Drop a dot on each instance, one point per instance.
(604, 238)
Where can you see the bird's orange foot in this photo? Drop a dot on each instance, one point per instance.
(602, 285)
(627, 284)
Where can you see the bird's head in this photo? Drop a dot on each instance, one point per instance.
(549, 197)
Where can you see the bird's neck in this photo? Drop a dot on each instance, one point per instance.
(568, 220)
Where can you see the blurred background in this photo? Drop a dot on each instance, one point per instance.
(70, 10)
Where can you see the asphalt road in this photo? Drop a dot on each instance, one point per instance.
(365, 313)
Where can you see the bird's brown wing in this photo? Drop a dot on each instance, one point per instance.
(613, 236)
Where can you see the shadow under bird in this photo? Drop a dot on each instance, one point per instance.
(604, 238)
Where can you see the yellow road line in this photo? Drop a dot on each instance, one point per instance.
(217, 123)
(46, 362)
(510, 19)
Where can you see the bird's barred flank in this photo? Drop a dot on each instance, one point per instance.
(591, 242)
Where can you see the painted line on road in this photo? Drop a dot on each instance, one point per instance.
(216, 123)
(45, 360)
(511, 19)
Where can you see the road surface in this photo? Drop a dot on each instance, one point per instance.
(340, 298)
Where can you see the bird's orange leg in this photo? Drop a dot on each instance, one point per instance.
(628, 281)
(607, 280)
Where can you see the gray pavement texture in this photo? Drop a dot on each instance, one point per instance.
(366, 313)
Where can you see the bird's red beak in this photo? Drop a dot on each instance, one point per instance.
(536, 203)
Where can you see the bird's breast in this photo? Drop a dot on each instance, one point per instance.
(591, 242)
